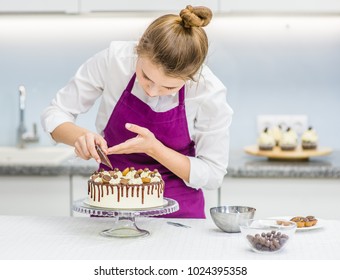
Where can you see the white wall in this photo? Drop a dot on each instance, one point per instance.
(271, 65)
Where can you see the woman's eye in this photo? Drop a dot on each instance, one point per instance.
(170, 88)
(145, 77)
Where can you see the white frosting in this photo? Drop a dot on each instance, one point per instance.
(158, 174)
(309, 136)
(155, 179)
(135, 181)
(145, 174)
(114, 181)
(130, 174)
(266, 138)
(276, 132)
(119, 174)
(98, 180)
(289, 138)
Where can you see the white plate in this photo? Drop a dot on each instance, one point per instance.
(318, 225)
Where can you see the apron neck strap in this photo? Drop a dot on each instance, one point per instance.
(180, 96)
(131, 83)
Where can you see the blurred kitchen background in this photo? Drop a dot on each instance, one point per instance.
(275, 57)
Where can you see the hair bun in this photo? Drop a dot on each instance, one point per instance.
(199, 16)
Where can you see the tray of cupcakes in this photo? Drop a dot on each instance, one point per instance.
(275, 143)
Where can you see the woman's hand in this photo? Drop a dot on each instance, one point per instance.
(85, 146)
(144, 142)
(81, 139)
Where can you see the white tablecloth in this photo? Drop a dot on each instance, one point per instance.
(78, 238)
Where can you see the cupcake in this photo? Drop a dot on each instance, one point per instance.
(276, 131)
(309, 139)
(266, 141)
(289, 140)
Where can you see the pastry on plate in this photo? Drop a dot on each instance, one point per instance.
(289, 140)
(301, 221)
(266, 141)
(309, 139)
(276, 131)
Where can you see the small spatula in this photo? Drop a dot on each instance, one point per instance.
(103, 157)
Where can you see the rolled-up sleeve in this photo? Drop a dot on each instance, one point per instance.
(212, 122)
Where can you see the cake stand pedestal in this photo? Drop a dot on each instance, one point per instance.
(125, 223)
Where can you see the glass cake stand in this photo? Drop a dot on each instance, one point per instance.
(125, 225)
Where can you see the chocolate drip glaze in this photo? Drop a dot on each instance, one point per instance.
(96, 190)
(101, 194)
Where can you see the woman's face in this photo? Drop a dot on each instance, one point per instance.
(153, 80)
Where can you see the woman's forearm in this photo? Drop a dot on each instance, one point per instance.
(81, 139)
(68, 133)
(176, 162)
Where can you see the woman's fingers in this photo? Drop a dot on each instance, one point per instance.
(132, 145)
(85, 146)
(100, 141)
(141, 143)
(90, 148)
(122, 148)
(142, 131)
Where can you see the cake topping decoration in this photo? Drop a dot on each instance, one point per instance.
(106, 178)
(125, 171)
(124, 181)
(146, 180)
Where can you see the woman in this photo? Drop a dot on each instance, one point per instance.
(161, 107)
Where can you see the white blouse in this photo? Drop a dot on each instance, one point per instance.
(107, 74)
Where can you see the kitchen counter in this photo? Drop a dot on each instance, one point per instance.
(57, 238)
(241, 165)
(66, 168)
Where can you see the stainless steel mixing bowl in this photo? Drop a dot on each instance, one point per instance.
(229, 218)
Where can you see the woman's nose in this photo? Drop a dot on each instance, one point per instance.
(153, 90)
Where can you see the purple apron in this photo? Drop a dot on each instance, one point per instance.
(171, 129)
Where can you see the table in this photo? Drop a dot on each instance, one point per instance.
(77, 238)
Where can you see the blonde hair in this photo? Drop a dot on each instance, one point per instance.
(177, 43)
